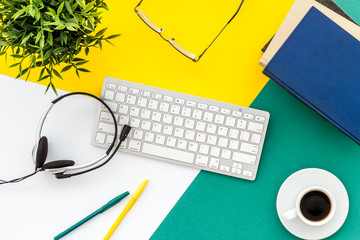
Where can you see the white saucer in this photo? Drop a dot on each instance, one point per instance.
(297, 182)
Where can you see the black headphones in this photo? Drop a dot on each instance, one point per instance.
(60, 168)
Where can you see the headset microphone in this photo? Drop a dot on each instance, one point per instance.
(60, 167)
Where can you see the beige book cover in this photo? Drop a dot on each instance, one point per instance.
(293, 18)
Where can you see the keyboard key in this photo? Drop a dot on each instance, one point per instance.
(244, 136)
(219, 119)
(248, 116)
(193, 147)
(100, 138)
(153, 104)
(109, 139)
(156, 116)
(134, 145)
(149, 137)
(134, 111)
(225, 154)
(175, 109)
(167, 119)
(247, 173)
(214, 109)
(211, 139)
(255, 127)
(223, 142)
(131, 99)
(200, 137)
(179, 132)
(112, 105)
(230, 121)
(234, 144)
(224, 168)
(233, 133)
(182, 144)
(123, 88)
(124, 120)
(249, 148)
(168, 98)
(109, 94)
(241, 124)
(214, 163)
(106, 127)
(145, 93)
(169, 153)
(156, 127)
(120, 97)
(189, 123)
(138, 134)
(211, 128)
(236, 171)
(171, 142)
(208, 117)
(215, 151)
(186, 112)
(179, 101)
(178, 121)
(190, 135)
(123, 109)
(244, 158)
(135, 122)
(237, 165)
(164, 107)
(225, 111)
(255, 138)
(201, 160)
(237, 114)
(204, 149)
(168, 130)
(190, 103)
(260, 119)
(156, 96)
(142, 102)
(197, 114)
(200, 126)
(202, 106)
(111, 85)
(106, 116)
(145, 114)
(223, 131)
(134, 90)
(160, 139)
(145, 125)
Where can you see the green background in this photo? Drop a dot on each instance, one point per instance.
(220, 207)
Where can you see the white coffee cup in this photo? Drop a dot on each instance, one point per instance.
(296, 212)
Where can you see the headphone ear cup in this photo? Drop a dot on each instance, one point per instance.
(58, 164)
(42, 151)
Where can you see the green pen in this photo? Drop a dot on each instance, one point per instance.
(110, 204)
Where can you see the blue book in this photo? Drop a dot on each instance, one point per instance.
(320, 65)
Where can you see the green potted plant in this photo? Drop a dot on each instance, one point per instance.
(47, 33)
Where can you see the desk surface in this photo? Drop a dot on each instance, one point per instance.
(234, 65)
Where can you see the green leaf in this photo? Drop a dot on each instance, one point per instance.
(77, 73)
(86, 51)
(68, 7)
(100, 44)
(16, 56)
(88, 6)
(113, 36)
(80, 3)
(83, 70)
(14, 65)
(66, 68)
(53, 88)
(60, 8)
(82, 63)
(101, 32)
(78, 59)
(18, 14)
(43, 78)
(48, 86)
(57, 74)
(50, 38)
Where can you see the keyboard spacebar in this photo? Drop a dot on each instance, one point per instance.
(168, 153)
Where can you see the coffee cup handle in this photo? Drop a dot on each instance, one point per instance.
(291, 214)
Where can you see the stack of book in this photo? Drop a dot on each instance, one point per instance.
(314, 55)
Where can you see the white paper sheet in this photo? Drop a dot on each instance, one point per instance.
(42, 206)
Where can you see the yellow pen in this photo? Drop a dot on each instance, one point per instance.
(126, 209)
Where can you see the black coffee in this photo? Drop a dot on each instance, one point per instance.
(315, 205)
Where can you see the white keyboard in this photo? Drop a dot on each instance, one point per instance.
(184, 129)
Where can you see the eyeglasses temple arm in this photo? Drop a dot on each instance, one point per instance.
(147, 21)
(182, 50)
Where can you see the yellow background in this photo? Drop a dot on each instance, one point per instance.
(228, 71)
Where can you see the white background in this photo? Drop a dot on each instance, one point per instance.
(42, 206)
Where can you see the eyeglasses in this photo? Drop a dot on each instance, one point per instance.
(172, 42)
